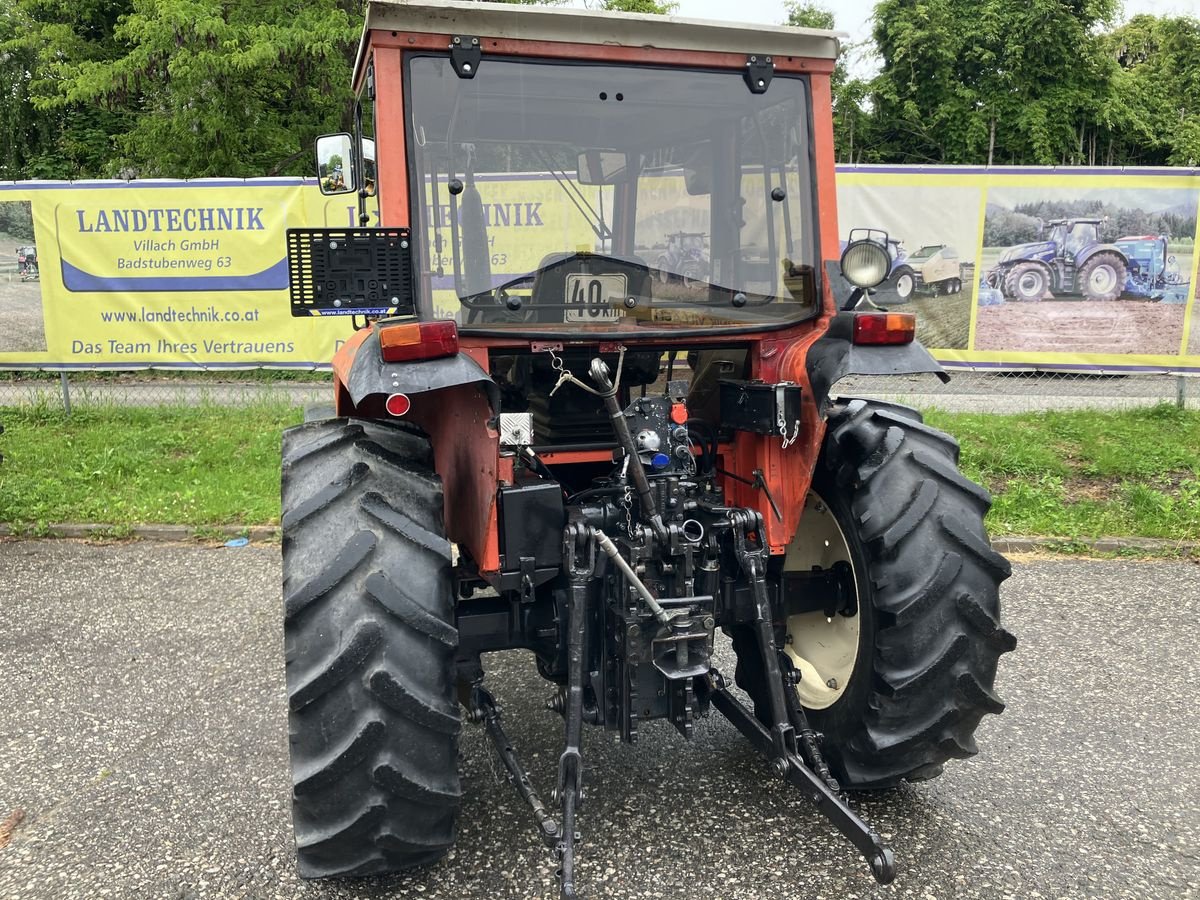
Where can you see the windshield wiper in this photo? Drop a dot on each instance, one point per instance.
(594, 219)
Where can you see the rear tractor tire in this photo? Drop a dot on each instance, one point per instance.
(899, 687)
(369, 648)
(1102, 277)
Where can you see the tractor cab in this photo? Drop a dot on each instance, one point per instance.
(1074, 235)
(538, 176)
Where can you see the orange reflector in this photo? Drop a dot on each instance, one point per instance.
(884, 328)
(412, 341)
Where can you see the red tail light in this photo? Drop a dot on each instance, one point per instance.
(412, 341)
(884, 328)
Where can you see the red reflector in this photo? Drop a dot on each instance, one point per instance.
(398, 404)
(884, 328)
(418, 340)
(678, 413)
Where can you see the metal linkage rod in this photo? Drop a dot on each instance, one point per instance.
(611, 551)
(878, 855)
(485, 708)
(578, 545)
(609, 386)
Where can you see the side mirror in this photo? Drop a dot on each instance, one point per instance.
(369, 173)
(603, 167)
(335, 164)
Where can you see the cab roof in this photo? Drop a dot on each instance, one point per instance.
(582, 26)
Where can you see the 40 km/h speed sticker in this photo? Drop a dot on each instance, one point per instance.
(595, 298)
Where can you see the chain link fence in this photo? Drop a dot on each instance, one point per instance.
(967, 391)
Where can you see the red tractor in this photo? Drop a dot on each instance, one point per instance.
(570, 459)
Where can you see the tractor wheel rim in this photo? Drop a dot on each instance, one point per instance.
(904, 285)
(1103, 279)
(1030, 284)
(824, 652)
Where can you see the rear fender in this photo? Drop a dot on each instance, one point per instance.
(834, 356)
(1089, 252)
(363, 374)
(456, 403)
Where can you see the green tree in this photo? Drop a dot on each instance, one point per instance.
(996, 81)
(807, 14)
(171, 87)
(851, 114)
(43, 135)
(635, 6)
(1152, 113)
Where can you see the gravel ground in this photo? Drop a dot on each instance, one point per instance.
(143, 734)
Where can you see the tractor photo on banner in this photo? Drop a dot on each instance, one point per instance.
(1087, 269)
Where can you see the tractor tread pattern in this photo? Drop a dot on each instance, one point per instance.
(338, 667)
(369, 648)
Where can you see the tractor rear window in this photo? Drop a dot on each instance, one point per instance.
(556, 196)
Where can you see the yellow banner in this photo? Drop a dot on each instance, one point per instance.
(1038, 268)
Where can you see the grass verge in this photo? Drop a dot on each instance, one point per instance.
(1085, 474)
(1067, 475)
(199, 466)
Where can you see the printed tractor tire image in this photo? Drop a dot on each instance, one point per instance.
(903, 284)
(369, 648)
(1026, 281)
(1102, 277)
(901, 685)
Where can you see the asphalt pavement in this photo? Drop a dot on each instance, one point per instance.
(143, 749)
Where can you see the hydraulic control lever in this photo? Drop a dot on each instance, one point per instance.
(608, 393)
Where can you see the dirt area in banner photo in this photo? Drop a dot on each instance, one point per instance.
(21, 324)
(1082, 326)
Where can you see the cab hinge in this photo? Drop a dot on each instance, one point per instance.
(371, 80)
(465, 54)
(759, 72)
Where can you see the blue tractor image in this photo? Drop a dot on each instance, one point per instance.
(1153, 272)
(1070, 260)
(900, 280)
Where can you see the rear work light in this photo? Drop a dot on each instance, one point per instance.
(884, 328)
(418, 340)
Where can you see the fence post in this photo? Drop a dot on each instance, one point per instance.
(1180, 391)
(66, 392)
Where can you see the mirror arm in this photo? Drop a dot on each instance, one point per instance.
(360, 169)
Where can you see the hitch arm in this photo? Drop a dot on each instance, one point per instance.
(579, 550)
(790, 766)
(485, 710)
(779, 744)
